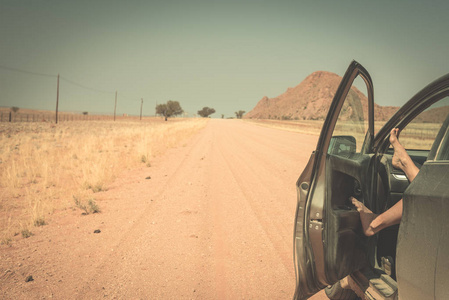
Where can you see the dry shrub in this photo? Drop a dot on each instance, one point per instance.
(43, 166)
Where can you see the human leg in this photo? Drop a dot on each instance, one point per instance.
(373, 223)
(401, 160)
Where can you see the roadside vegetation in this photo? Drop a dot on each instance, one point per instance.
(239, 114)
(169, 109)
(206, 112)
(415, 136)
(44, 167)
(308, 127)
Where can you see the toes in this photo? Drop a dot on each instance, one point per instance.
(395, 133)
(356, 202)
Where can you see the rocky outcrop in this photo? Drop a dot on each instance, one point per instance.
(310, 100)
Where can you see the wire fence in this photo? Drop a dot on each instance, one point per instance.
(62, 117)
(69, 95)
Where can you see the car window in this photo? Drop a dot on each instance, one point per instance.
(352, 124)
(422, 131)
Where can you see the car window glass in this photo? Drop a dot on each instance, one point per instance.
(421, 132)
(352, 123)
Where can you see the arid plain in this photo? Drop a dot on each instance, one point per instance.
(209, 216)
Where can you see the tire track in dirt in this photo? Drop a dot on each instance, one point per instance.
(215, 221)
(271, 228)
(265, 201)
(163, 231)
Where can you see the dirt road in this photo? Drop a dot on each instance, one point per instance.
(212, 219)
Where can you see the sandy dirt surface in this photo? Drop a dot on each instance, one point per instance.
(212, 219)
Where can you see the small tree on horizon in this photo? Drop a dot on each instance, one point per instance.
(169, 109)
(239, 114)
(14, 109)
(206, 112)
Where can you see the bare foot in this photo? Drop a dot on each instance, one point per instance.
(366, 217)
(400, 156)
(401, 160)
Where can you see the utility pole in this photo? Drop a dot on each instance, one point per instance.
(141, 105)
(57, 100)
(115, 106)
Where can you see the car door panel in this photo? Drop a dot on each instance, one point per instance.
(302, 252)
(424, 219)
(340, 181)
(423, 266)
(327, 246)
(345, 249)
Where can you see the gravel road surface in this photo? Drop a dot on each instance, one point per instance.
(211, 219)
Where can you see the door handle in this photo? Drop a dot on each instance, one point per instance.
(399, 177)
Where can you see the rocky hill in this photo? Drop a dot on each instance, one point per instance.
(310, 100)
(433, 115)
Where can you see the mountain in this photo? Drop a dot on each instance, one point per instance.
(433, 115)
(310, 100)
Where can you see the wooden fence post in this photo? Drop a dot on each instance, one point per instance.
(115, 106)
(141, 105)
(57, 100)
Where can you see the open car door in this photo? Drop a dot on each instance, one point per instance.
(326, 244)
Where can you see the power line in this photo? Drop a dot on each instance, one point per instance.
(27, 72)
(54, 76)
(127, 97)
(85, 87)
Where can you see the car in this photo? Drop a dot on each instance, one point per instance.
(354, 159)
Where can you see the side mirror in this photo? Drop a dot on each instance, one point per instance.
(342, 145)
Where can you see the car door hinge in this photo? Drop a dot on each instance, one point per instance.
(316, 224)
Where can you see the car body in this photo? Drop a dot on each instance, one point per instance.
(410, 260)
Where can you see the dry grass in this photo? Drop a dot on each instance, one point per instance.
(414, 136)
(306, 127)
(44, 167)
(419, 136)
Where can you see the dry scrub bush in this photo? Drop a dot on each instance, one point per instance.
(43, 166)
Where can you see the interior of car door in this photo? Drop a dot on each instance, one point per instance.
(328, 242)
(345, 247)
(348, 174)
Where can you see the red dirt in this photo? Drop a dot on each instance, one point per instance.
(215, 221)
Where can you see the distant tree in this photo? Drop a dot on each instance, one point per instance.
(14, 109)
(85, 113)
(169, 109)
(239, 114)
(206, 112)
(222, 116)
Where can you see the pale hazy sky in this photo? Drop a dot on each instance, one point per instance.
(222, 54)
